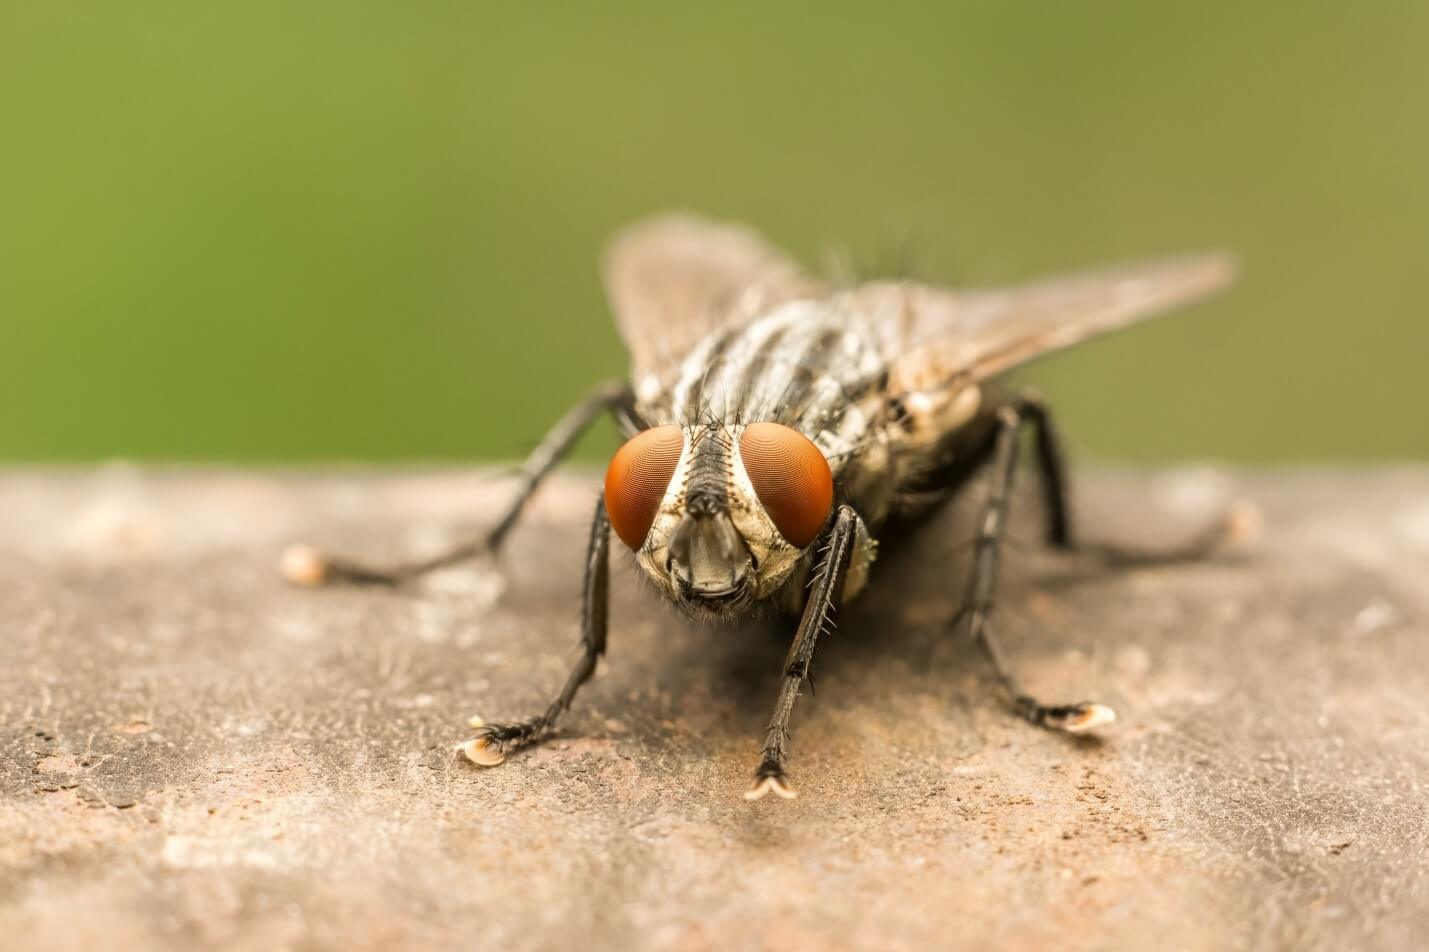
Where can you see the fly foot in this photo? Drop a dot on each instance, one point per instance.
(494, 741)
(770, 778)
(484, 750)
(1077, 718)
(1244, 522)
(304, 566)
(309, 567)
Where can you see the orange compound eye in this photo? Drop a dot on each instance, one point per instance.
(637, 479)
(791, 478)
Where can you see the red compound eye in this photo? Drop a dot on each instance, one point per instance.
(791, 478)
(637, 479)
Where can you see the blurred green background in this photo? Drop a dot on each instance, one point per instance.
(340, 230)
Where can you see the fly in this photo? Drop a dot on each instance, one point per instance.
(775, 424)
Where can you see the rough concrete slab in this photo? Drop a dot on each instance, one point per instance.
(194, 755)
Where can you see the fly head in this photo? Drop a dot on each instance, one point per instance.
(719, 515)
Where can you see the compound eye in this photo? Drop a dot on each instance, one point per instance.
(637, 479)
(791, 479)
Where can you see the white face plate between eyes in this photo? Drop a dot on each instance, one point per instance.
(774, 556)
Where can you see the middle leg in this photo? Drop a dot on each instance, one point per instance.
(982, 587)
(304, 565)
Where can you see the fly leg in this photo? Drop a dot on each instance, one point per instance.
(827, 583)
(494, 741)
(304, 565)
(980, 600)
(1238, 520)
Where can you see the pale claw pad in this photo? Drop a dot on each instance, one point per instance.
(1087, 717)
(484, 751)
(772, 783)
(303, 565)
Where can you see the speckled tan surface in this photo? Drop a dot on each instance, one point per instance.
(193, 755)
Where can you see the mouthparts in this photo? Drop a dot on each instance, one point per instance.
(708, 557)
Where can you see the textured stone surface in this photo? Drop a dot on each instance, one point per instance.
(194, 755)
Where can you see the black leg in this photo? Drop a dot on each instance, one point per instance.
(494, 741)
(980, 599)
(304, 565)
(1052, 468)
(828, 575)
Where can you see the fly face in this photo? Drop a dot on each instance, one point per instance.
(719, 516)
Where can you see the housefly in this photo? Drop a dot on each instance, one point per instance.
(775, 423)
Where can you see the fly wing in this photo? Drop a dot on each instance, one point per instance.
(933, 333)
(674, 279)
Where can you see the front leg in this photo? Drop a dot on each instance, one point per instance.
(828, 576)
(494, 741)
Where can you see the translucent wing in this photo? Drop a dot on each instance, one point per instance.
(674, 279)
(934, 333)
